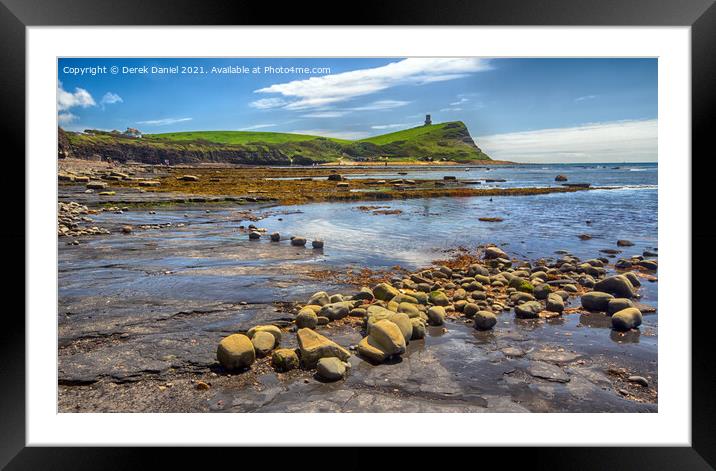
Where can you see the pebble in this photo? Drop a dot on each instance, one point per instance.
(640, 380)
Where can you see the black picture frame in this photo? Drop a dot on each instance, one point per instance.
(16, 15)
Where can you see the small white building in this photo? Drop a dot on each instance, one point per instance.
(132, 132)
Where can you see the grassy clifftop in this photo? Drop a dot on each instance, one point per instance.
(446, 141)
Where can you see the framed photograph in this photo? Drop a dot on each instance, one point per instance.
(455, 224)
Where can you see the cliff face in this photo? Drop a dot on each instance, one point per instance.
(122, 152)
(63, 144)
(447, 141)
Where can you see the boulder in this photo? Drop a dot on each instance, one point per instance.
(410, 309)
(555, 303)
(470, 309)
(436, 315)
(317, 244)
(484, 320)
(271, 329)
(358, 312)
(188, 178)
(618, 285)
(314, 346)
(96, 186)
(560, 178)
(298, 241)
(387, 336)
(275, 237)
(306, 318)
(528, 310)
(418, 328)
(331, 368)
(284, 359)
(633, 279)
(385, 292)
(369, 349)
(321, 299)
(626, 319)
(235, 352)
(519, 297)
(420, 296)
(596, 301)
(263, 343)
(335, 311)
(542, 291)
(618, 304)
(439, 298)
(365, 294)
(492, 253)
(405, 298)
(650, 265)
(403, 322)
(624, 243)
(253, 235)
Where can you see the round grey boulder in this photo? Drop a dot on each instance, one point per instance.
(626, 319)
(306, 318)
(528, 310)
(484, 320)
(618, 285)
(542, 291)
(331, 368)
(617, 304)
(555, 303)
(298, 241)
(596, 301)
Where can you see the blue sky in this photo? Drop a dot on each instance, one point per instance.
(531, 110)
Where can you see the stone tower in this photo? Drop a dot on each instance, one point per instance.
(428, 121)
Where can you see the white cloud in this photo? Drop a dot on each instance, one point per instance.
(374, 106)
(325, 114)
(163, 122)
(110, 98)
(381, 105)
(584, 98)
(443, 110)
(617, 141)
(393, 126)
(80, 97)
(328, 89)
(257, 126)
(66, 117)
(349, 135)
(267, 103)
(460, 101)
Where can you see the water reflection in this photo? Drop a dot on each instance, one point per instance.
(631, 336)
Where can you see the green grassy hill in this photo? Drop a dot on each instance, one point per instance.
(446, 141)
(237, 137)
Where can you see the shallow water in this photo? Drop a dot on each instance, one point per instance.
(643, 175)
(204, 258)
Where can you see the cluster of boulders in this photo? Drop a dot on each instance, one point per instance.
(97, 179)
(638, 262)
(394, 312)
(240, 351)
(255, 233)
(614, 295)
(73, 219)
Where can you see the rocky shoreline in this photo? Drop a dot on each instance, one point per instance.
(116, 184)
(391, 315)
(338, 345)
(173, 301)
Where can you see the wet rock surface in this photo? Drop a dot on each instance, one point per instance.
(141, 315)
